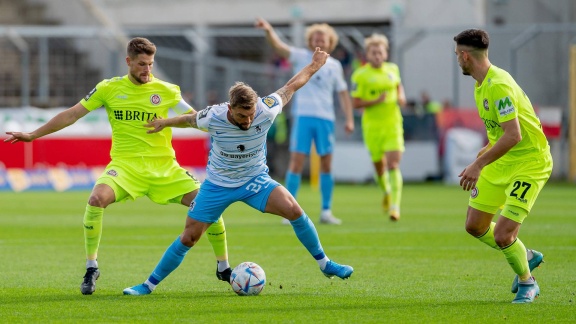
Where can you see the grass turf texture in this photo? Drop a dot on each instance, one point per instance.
(425, 268)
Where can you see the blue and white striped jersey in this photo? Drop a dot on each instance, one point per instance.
(316, 98)
(237, 155)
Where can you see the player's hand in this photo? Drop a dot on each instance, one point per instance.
(262, 24)
(349, 127)
(16, 137)
(469, 176)
(157, 124)
(319, 57)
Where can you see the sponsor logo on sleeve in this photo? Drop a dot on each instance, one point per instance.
(204, 112)
(90, 94)
(270, 101)
(505, 106)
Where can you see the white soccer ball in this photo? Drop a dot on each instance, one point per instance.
(248, 279)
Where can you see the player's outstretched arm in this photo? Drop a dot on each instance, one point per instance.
(182, 121)
(273, 39)
(58, 122)
(302, 77)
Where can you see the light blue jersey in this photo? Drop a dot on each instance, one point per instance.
(237, 155)
(316, 98)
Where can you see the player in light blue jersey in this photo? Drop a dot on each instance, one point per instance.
(237, 171)
(313, 115)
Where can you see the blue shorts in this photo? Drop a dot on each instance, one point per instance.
(212, 200)
(308, 129)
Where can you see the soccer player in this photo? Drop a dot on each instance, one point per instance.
(511, 170)
(142, 164)
(313, 110)
(377, 90)
(237, 171)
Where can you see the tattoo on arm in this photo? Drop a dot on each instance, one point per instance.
(192, 120)
(285, 95)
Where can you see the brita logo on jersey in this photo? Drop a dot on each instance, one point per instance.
(134, 115)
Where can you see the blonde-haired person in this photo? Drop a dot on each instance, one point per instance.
(313, 115)
(237, 171)
(377, 89)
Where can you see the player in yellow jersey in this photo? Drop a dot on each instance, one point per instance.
(378, 90)
(142, 164)
(513, 168)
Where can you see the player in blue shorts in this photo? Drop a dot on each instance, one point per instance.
(237, 171)
(313, 110)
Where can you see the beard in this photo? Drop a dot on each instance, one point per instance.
(138, 78)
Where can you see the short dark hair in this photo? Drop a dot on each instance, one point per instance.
(476, 38)
(242, 96)
(140, 45)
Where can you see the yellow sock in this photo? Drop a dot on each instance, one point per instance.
(396, 183)
(488, 237)
(217, 237)
(515, 254)
(92, 230)
(383, 181)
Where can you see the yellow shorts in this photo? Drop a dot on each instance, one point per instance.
(518, 185)
(380, 139)
(163, 180)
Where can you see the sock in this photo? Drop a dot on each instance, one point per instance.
(171, 259)
(515, 254)
(223, 265)
(91, 264)
(92, 230)
(529, 254)
(216, 234)
(383, 181)
(488, 237)
(308, 236)
(396, 183)
(326, 189)
(293, 182)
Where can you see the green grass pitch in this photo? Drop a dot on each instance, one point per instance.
(423, 269)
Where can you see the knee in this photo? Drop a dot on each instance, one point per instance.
(97, 200)
(188, 239)
(503, 239)
(474, 229)
(294, 210)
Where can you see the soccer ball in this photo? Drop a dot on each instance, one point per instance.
(248, 279)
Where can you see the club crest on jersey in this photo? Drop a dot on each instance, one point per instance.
(474, 192)
(270, 101)
(90, 94)
(486, 106)
(258, 129)
(155, 99)
(112, 173)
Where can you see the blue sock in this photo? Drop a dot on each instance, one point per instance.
(293, 182)
(169, 262)
(308, 236)
(326, 188)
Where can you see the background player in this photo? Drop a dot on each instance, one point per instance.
(378, 90)
(313, 110)
(514, 166)
(142, 164)
(237, 171)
